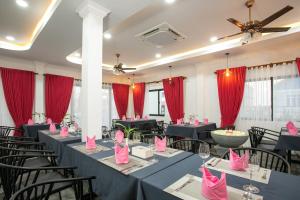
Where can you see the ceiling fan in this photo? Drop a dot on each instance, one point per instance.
(255, 27)
(118, 68)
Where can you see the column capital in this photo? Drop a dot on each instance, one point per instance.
(92, 7)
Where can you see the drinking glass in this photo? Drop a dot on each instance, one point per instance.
(153, 149)
(204, 151)
(253, 167)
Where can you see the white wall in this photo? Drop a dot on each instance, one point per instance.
(200, 87)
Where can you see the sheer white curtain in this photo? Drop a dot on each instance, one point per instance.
(5, 118)
(257, 100)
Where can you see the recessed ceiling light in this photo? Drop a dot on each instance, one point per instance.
(77, 54)
(107, 36)
(213, 39)
(10, 38)
(170, 1)
(158, 55)
(22, 3)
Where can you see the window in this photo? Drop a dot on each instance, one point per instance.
(273, 99)
(157, 102)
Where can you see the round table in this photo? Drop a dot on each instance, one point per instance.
(227, 138)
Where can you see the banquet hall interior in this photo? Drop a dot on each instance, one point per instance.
(150, 99)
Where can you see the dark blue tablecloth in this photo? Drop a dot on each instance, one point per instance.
(189, 131)
(32, 130)
(57, 145)
(288, 142)
(110, 183)
(281, 186)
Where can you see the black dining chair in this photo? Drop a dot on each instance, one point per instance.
(13, 138)
(266, 136)
(189, 145)
(267, 159)
(51, 190)
(256, 139)
(15, 176)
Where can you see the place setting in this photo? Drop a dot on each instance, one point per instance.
(90, 147)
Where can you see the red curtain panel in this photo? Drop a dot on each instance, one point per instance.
(138, 98)
(231, 91)
(121, 93)
(174, 97)
(298, 64)
(58, 91)
(18, 87)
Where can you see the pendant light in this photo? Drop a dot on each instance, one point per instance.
(133, 85)
(227, 71)
(170, 75)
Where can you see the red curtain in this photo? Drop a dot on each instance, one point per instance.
(174, 97)
(121, 93)
(231, 90)
(18, 87)
(58, 91)
(298, 64)
(138, 98)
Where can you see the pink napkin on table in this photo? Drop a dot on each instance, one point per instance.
(239, 163)
(123, 117)
(49, 121)
(160, 144)
(291, 128)
(205, 121)
(121, 154)
(138, 117)
(64, 132)
(52, 128)
(119, 136)
(214, 188)
(196, 122)
(30, 122)
(179, 121)
(146, 117)
(90, 142)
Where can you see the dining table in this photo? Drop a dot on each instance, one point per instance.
(32, 130)
(57, 143)
(190, 130)
(183, 180)
(115, 181)
(137, 123)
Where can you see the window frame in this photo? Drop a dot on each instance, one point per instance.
(158, 104)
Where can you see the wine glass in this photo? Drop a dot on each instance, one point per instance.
(253, 167)
(204, 152)
(153, 149)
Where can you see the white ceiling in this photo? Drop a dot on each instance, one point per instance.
(197, 19)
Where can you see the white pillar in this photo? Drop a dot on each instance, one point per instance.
(39, 105)
(91, 72)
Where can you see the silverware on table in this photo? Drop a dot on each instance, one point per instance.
(217, 162)
(211, 161)
(190, 180)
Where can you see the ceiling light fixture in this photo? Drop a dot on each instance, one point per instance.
(227, 71)
(10, 38)
(213, 39)
(22, 3)
(170, 75)
(170, 1)
(76, 54)
(158, 55)
(107, 36)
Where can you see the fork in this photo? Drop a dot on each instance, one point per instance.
(184, 184)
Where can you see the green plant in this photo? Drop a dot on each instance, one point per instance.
(127, 130)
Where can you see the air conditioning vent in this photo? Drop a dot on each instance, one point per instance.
(161, 35)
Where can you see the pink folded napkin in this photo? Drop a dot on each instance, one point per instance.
(179, 121)
(146, 117)
(64, 132)
(123, 117)
(49, 121)
(138, 117)
(121, 154)
(205, 121)
(292, 129)
(214, 188)
(52, 128)
(119, 136)
(160, 144)
(90, 142)
(196, 122)
(30, 122)
(239, 163)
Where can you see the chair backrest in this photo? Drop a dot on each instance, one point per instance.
(267, 159)
(189, 145)
(253, 137)
(49, 190)
(8, 151)
(5, 130)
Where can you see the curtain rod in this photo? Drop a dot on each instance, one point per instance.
(272, 64)
(160, 81)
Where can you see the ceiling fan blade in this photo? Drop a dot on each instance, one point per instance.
(274, 29)
(228, 36)
(236, 22)
(276, 15)
(128, 68)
